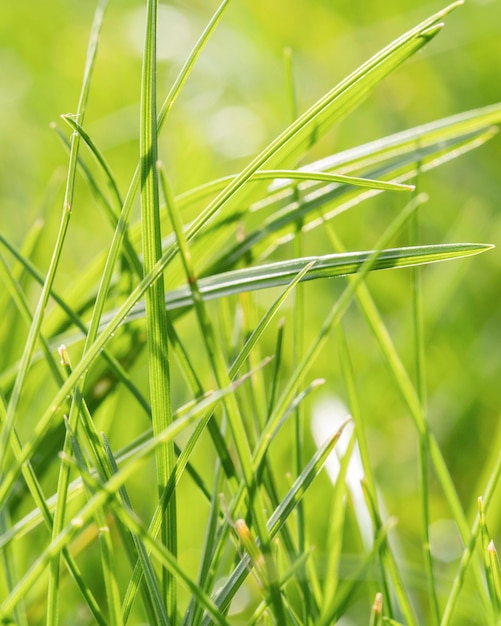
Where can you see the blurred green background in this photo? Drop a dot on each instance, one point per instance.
(233, 104)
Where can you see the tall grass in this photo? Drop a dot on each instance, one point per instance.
(105, 477)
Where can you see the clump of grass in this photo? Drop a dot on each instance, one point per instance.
(255, 542)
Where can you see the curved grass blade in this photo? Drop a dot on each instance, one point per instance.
(328, 266)
(284, 209)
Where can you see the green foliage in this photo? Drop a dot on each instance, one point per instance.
(173, 464)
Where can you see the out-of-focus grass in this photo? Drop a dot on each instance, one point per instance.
(41, 61)
(233, 104)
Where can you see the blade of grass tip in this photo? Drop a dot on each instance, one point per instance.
(156, 315)
(409, 395)
(469, 549)
(328, 177)
(327, 266)
(496, 576)
(219, 368)
(411, 141)
(33, 334)
(398, 151)
(486, 541)
(291, 574)
(376, 618)
(283, 211)
(420, 374)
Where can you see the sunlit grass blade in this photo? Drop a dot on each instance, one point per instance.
(491, 561)
(156, 316)
(279, 212)
(495, 569)
(328, 266)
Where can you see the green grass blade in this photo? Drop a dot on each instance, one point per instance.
(328, 266)
(156, 317)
